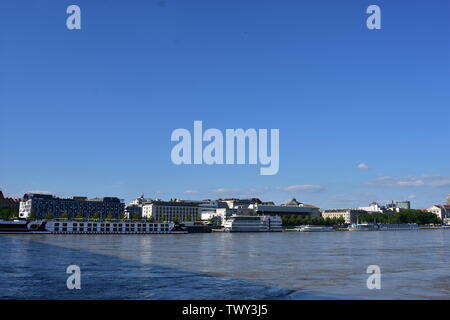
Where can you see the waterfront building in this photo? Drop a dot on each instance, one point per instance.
(134, 208)
(216, 212)
(442, 211)
(448, 199)
(42, 205)
(234, 203)
(9, 203)
(397, 206)
(182, 210)
(349, 215)
(241, 206)
(374, 207)
(291, 208)
(403, 205)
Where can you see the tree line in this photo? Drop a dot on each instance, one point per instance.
(290, 221)
(404, 216)
(8, 213)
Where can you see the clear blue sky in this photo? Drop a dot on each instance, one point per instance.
(90, 112)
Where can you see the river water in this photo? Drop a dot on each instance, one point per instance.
(288, 265)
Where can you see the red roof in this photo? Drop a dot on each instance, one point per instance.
(310, 206)
(445, 206)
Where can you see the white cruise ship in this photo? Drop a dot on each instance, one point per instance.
(89, 227)
(252, 224)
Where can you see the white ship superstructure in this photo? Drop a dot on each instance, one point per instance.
(240, 223)
(110, 227)
(309, 228)
(89, 227)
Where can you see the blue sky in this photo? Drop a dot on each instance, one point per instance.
(90, 111)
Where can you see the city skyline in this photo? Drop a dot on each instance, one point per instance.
(217, 198)
(361, 113)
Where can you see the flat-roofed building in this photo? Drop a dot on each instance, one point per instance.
(42, 204)
(442, 211)
(292, 208)
(181, 210)
(374, 207)
(349, 215)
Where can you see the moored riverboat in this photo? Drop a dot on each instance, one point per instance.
(196, 227)
(90, 227)
(310, 228)
(397, 226)
(241, 223)
(363, 227)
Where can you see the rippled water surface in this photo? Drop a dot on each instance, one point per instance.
(328, 265)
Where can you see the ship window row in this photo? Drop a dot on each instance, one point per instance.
(151, 227)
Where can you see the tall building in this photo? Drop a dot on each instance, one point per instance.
(42, 204)
(448, 199)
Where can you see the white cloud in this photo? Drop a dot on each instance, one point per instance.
(425, 180)
(191, 192)
(237, 192)
(362, 166)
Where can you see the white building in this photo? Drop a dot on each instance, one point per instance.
(373, 208)
(134, 208)
(442, 211)
(216, 216)
(170, 210)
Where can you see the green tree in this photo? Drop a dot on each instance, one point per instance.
(64, 215)
(32, 215)
(109, 217)
(95, 216)
(292, 221)
(7, 213)
(79, 216)
(48, 216)
(136, 217)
